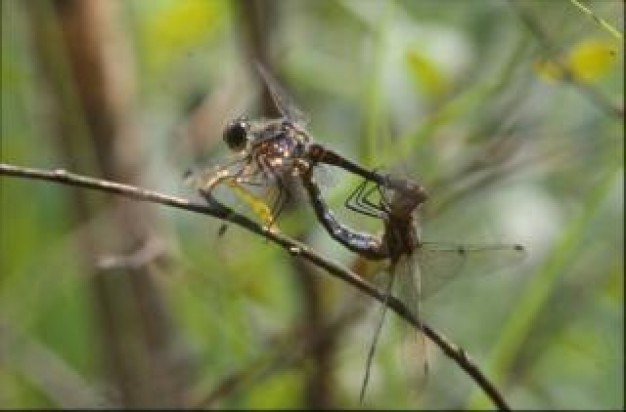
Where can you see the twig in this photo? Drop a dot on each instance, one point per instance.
(295, 248)
(599, 20)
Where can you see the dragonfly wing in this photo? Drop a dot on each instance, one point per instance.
(203, 178)
(402, 282)
(253, 202)
(412, 341)
(408, 285)
(440, 263)
(324, 176)
(284, 103)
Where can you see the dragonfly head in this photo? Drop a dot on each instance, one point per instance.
(236, 134)
(406, 196)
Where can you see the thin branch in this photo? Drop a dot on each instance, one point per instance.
(599, 20)
(219, 211)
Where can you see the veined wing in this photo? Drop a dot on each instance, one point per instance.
(439, 263)
(284, 103)
(221, 174)
(260, 209)
(406, 282)
(208, 177)
(393, 276)
(408, 285)
(325, 176)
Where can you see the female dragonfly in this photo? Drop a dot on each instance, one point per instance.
(418, 268)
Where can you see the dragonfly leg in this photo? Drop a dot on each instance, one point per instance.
(381, 204)
(252, 179)
(206, 189)
(384, 202)
(211, 179)
(355, 202)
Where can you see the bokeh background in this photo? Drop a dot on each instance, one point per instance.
(510, 113)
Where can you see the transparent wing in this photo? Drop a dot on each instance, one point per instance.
(233, 176)
(425, 272)
(408, 285)
(284, 103)
(440, 263)
(412, 341)
(257, 205)
(325, 176)
(208, 178)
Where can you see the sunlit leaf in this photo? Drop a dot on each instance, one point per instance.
(587, 61)
(592, 58)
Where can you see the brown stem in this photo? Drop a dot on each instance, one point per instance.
(86, 60)
(219, 211)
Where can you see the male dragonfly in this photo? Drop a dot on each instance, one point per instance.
(268, 151)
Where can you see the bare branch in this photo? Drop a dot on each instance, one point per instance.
(295, 248)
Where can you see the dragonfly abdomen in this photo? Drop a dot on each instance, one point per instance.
(363, 243)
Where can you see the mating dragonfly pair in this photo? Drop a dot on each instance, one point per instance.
(270, 151)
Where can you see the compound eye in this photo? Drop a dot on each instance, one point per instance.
(236, 135)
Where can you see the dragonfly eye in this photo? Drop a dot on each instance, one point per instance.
(236, 135)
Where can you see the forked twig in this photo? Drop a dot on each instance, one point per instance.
(294, 247)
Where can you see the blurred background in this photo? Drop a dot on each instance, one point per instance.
(509, 113)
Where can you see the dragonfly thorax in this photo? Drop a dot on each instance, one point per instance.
(278, 148)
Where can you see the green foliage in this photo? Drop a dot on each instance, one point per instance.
(452, 94)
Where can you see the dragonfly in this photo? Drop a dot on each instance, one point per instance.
(418, 268)
(267, 152)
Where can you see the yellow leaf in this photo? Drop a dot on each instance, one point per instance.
(590, 59)
(585, 62)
